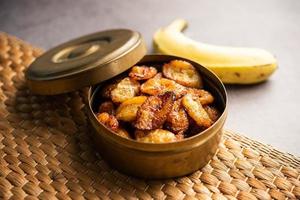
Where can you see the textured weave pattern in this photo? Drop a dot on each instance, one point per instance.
(46, 154)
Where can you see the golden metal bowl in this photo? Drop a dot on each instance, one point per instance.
(160, 160)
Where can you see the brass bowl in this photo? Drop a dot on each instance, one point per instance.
(161, 160)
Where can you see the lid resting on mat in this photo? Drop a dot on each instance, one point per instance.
(85, 61)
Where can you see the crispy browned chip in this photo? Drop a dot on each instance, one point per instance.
(177, 120)
(183, 73)
(153, 112)
(108, 107)
(195, 110)
(212, 112)
(158, 85)
(146, 113)
(125, 90)
(109, 121)
(204, 96)
(155, 136)
(168, 100)
(142, 72)
(112, 123)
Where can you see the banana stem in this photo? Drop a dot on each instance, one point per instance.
(177, 25)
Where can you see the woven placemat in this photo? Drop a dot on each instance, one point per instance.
(45, 152)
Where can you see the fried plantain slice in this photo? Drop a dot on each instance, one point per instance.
(177, 120)
(128, 109)
(108, 107)
(152, 86)
(146, 113)
(183, 73)
(212, 112)
(195, 110)
(168, 100)
(125, 90)
(155, 136)
(142, 72)
(205, 96)
(158, 85)
(109, 121)
(154, 111)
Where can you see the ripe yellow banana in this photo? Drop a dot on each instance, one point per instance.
(231, 64)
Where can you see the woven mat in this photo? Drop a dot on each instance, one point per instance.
(45, 152)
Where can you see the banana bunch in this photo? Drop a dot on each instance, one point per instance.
(232, 65)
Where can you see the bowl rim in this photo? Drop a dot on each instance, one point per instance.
(186, 143)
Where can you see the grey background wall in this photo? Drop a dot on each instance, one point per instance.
(268, 112)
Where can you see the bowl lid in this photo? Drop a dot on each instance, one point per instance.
(85, 61)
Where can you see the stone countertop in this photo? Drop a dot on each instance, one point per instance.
(268, 112)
